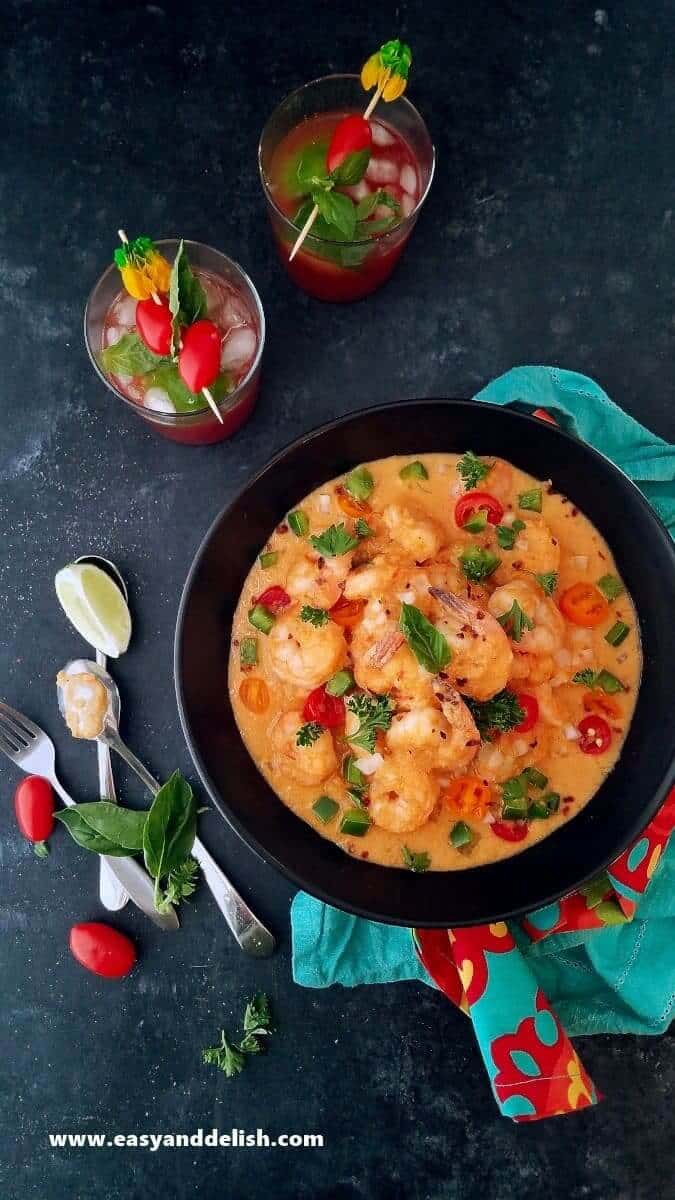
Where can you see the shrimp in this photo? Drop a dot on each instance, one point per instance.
(373, 577)
(382, 662)
(304, 764)
(318, 581)
(535, 552)
(499, 481)
(448, 738)
(535, 653)
(303, 655)
(418, 534)
(481, 653)
(402, 794)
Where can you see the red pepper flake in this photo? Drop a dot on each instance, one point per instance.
(575, 512)
(283, 528)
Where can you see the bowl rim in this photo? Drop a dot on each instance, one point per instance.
(648, 810)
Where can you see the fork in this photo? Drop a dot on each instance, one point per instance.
(32, 751)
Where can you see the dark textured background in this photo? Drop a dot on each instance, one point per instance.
(547, 237)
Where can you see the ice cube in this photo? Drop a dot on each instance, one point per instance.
(234, 312)
(157, 399)
(238, 348)
(125, 312)
(409, 179)
(407, 205)
(214, 296)
(381, 136)
(382, 170)
(113, 335)
(359, 191)
(383, 212)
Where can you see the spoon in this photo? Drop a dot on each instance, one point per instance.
(112, 893)
(250, 934)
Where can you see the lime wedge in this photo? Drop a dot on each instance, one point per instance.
(95, 606)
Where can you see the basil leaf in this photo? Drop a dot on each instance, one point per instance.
(367, 205)
(166, 376)
(170, 827)
(428, 645)
(123, 826)
(187, 299)
(352, 168)
(129, 356)
(337, 210)
(85, 836)
(311, 171)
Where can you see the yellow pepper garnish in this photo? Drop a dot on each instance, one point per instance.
(388, 69)
(143, 269)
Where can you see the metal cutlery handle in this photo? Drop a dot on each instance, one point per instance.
(111, 892)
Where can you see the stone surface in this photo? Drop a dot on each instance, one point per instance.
(547, 237)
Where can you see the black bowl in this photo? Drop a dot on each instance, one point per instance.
(620, 809)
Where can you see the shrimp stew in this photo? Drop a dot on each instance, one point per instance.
(434, 662)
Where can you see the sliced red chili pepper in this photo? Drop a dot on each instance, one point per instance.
(101, 949)
(530, 707)
(472, 502)
(34, 808)
(584, 604)
(275, 598)
(510, 831)
(326, 710)
(596, 735)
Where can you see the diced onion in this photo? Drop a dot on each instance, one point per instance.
(493, 760)
(523, 543)
(323, 503)
(407, 597)
(508, 518)
(581, 637)
(558, 679)
(369, 764)
(489, 818)
(571, 733)
(563, 658)
(456, 489)
(520, 747)
(580, 561)
(587, 655)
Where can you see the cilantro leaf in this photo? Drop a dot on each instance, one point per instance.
(515, 621)
(587, 677)
(308, 734)
(227, 1056)
(507, 534)
(473, 469)
(478, 564)
(314, 616)
(334, 541)
(548, 581)
(426, 642)
(415, 861)
(500, 714)
(363, 529)
(257, 1017)
(373, 712)
(129, 356)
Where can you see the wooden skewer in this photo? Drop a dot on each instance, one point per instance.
(206, 392)
(315, 211)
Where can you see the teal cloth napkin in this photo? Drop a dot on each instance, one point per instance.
(617, 980)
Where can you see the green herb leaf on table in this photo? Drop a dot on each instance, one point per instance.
(229, 1056)
(180, 884)
(129, 356)
(314, 616)
(308, 734)
(170, 829)
(258, 1017)
(104, 828)
(473, 470)
(417, 861)
(351, 169)
(478, 564)
(41, 849)
(187, 298)
(498, 715)
(426, 642)
(515, 622)
(507, 534)
(373, 712)
(334, 541)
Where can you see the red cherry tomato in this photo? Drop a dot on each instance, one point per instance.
(510, 831)
(274, 598)
(326, 710)
(531, 709)
(596, 735)
(472, 502)
(34, 808)
(153, 322)
(349, 136)
(584, 605)
(199, 358)
(101, 949)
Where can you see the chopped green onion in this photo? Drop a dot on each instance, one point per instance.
(352, 775)
(248, 652)
(326, 809)
(530, 500)
(360, 483)
(270, 558)
(544, 806)
(617, 634)
(461, 835)
(340, 683)
(609, 683)
(552, 801)
(414, 470)
(611, 587)
(531, 777)
(355, 823)
(477, 522)
(299, 522)
(507, 534)
(415, 861)
(514, 800)
(261, 618)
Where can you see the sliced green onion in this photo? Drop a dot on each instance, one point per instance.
(530, 500)
(340, 683)
(414, 470)
(617, 634)
(514, 800)
(552, 802)
(299, 522)
(355, 823)
(477, 522)
(325, 809)
(351, 773)
(609, 683)
(261, 618)
(611, 587)
(248, 652)
(415, 860)
(360, 483)
(461, 835)
(269, 559)
(533, 778)
(537, 811)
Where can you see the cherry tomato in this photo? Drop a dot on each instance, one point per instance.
(530, 707)
(596, 735)
(254, 693)
(350, 506)
(469, 795)
(274, 598)
(153, 322)
(584, 604)
(34, 808)
(510, 831)
(544, 416)
(199, 358)
(347, 613)
(472, 502)
(101, 949)
(326, 710)
(350, 135)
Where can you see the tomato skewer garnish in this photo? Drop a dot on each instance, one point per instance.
(102, 949)
(584, 604)
(199, 356)
(34, 808)
(473, 502)
(510, 831)
(596, 735)
(153, 322)
(275, 598)
(351, 135)
(323, 708)
(530, 707)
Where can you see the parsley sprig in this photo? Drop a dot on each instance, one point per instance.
(314, 616)
(334, 541)
(373, 712)
(308, 734)
(498, 715)
(473, 470)
(230, 1056)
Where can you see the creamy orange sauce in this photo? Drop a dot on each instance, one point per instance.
(85, 703)
(423, 515)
